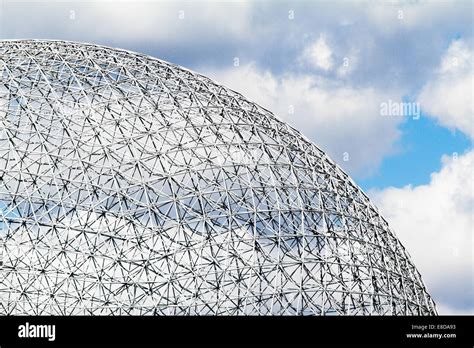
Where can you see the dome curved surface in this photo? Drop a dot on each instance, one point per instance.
(129, 185)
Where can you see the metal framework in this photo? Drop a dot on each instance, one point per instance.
(129, 185)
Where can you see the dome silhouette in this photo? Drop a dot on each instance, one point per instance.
(129, 185)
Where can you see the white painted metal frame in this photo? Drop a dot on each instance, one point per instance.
(129, 185)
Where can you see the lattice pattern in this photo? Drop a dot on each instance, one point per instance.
(129, 185)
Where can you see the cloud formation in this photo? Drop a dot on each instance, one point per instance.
(448, 96)
(319, 54)
(434, 222)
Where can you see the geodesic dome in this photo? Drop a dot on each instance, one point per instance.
(129, 185)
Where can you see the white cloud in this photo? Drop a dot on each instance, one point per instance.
(152, 21)
(337, 118)
(391, 16)
(449, 96)
(319, 54)
(435, 223)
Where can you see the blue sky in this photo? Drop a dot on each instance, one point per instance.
(422, 144)
(334, 63)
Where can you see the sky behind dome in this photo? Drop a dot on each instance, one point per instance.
(341, 72)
